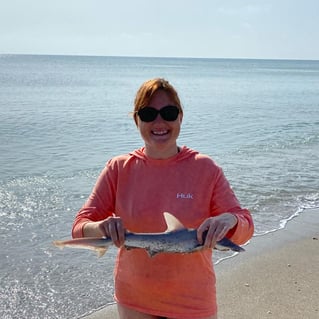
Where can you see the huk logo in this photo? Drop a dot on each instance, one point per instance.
(184, 196)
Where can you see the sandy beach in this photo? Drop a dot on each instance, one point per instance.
(277, 276)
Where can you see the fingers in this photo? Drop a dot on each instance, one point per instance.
(113, 227)
(202, 232)
(208, 233)
(214, 229)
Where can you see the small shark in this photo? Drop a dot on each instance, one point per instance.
(176, 239)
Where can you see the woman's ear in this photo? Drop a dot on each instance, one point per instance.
(135, 117)
(180, 118)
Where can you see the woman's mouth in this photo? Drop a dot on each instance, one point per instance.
(160, 132)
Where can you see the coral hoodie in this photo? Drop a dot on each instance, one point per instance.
(139, 189)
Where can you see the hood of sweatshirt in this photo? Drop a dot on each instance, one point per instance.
(184, 153)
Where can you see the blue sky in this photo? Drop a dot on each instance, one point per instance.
(275, 29)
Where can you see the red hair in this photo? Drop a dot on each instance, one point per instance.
(147, 91)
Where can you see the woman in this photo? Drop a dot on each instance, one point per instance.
(132, 193)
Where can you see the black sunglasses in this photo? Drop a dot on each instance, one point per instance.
(168, 113)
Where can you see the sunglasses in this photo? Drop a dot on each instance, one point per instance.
(149, 114)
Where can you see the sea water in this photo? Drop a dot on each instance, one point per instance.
(63, 117)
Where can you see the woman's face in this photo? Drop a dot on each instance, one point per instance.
(159, 135)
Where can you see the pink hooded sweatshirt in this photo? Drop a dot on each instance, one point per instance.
(139, 189)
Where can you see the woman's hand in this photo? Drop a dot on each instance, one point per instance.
(217, 227)
(110, 227)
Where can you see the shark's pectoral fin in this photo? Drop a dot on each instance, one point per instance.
(152, 253)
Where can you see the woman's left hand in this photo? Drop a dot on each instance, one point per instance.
(217, 227)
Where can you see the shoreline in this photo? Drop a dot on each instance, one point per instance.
(275, 278)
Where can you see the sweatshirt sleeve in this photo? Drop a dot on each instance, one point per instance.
(224, 200)
(100, 203)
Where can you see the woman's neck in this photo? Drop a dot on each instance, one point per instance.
(161, 153)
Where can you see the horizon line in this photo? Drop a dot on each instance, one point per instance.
(158, 57)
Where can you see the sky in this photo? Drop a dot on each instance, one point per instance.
(261, 29)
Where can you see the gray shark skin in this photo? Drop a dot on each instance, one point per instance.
(176, 239)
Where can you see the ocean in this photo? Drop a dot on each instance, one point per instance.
(63, 117)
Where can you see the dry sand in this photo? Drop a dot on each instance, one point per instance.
(276, 278)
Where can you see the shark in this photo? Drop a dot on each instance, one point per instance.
(176, 239)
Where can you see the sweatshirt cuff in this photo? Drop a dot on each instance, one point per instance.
(77, 231)
(242, 232)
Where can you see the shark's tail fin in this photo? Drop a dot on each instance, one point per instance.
(98, 244)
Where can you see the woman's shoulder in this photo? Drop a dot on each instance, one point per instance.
(203, 158)
(122, 159)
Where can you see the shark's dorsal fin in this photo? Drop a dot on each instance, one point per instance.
(172, 223)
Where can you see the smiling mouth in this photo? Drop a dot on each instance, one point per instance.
(160, 133)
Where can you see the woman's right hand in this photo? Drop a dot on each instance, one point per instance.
(110, 227)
